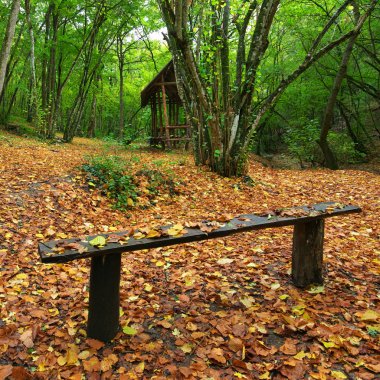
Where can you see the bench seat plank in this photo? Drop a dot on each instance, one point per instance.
(239, 224)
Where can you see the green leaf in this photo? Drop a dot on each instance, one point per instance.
(316, 289)
(129, 330)
(99, 241)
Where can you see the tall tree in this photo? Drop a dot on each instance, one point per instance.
(7, 42)
(219, 97)
(330, 159)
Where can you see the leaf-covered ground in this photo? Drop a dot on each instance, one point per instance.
(219, 309)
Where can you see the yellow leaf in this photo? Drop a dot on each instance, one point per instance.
(265, 376)
(173, 232)
(328, 344)
(225, 261)
(61, 235)
(140, 367)
(338, 375)
(54, 311)
(369, 315)
(187, 348)
(300, 355)
(148, 287)
(22, 276)
(153, 234)
(176, 332)
(72, 354)
(84, 355)
(275, 286)
(160, 263)
(298, 310)
(130, 202)
(283, 297)
(61, 361)
(354, 340)
(189, 281)
(139, 235)
(240, 375)
(98, 241)
(40, 236)
(359, 363)
(247, 301)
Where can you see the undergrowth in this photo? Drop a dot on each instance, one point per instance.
(110, 174)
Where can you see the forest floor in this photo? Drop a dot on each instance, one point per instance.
(219, 309)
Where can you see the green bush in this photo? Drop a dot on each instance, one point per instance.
(302, 142)
(344, 148)
(108, 174)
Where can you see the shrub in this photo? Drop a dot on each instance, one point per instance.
(344, 148)
(302, 143)
(108, 174)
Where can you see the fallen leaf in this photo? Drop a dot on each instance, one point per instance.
(224, 261)
(129, 330)
(217, 354)
(98, 241)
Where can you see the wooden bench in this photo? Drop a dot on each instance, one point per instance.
(103, 315)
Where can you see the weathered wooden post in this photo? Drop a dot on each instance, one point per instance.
(103, 312)
(307, 254)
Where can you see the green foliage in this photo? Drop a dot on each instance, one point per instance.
(159, 182)
(108, 174)
(302, 141)
(344, 148)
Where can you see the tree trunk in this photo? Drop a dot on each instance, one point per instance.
(330, 159)
(7, 43)
(121, 57)
(33, 101)
(92, 122)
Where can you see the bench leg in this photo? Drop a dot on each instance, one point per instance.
(308, 253)
(103, 311)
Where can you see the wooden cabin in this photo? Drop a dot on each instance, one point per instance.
(168, 123)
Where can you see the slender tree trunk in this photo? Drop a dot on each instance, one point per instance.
(93, 119)
(7, 42)
(121, 57)
(330, 159)
(33, 101)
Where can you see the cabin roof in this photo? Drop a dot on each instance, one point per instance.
(166, 75)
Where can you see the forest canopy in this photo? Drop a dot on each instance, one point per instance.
(263, 76)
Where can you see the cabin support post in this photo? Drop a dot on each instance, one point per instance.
(307, 256)
(167, 135)
(104, 300)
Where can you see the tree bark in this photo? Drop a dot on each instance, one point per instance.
(33, 101)
(121, 58)
(7, 42)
